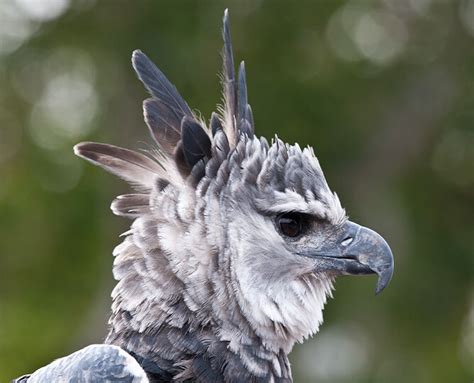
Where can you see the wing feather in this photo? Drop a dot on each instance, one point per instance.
(94, 363)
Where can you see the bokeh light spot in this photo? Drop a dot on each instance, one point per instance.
(68, 103)
(358, 32)
(43, 10)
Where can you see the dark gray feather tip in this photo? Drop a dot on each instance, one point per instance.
(164, 123)
(244, 113)
(242, 92)
(157, 83)
(230, 93)
(215, 123)
(196, 142)
(229, 70)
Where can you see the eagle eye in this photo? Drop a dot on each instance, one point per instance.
(290, 224)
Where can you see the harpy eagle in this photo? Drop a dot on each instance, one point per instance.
(233, 250)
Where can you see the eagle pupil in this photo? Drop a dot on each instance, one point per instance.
(290, 224)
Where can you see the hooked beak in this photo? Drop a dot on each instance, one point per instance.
(357, 251)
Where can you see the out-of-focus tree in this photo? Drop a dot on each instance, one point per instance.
(383, 90)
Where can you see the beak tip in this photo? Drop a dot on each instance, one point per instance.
(384, 279)
(379, 288)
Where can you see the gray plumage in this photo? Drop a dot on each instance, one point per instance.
(87, 365)
(235, 242)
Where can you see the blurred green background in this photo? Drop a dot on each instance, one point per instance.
(383, 90)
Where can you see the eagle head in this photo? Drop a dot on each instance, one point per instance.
(231, 233)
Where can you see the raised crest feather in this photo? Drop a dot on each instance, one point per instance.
(244, 113)
(132, 166)
(131, 205)
(163, 112)
(164, 123)
(183, 140)
(196, 142)
(228, 83)
(157, 83)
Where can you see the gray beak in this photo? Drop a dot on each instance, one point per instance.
(357, 250)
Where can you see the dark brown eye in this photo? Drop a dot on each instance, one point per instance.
(290, 224)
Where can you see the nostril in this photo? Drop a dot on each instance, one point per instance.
(346, 241)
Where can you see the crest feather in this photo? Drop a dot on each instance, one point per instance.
(157, 83)
(132, 166)
(238, 116)
(164, 123)
(228, 82)
(244, 112)
(185, 144)
(196, 142)
(131, 205)
(165, 110)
